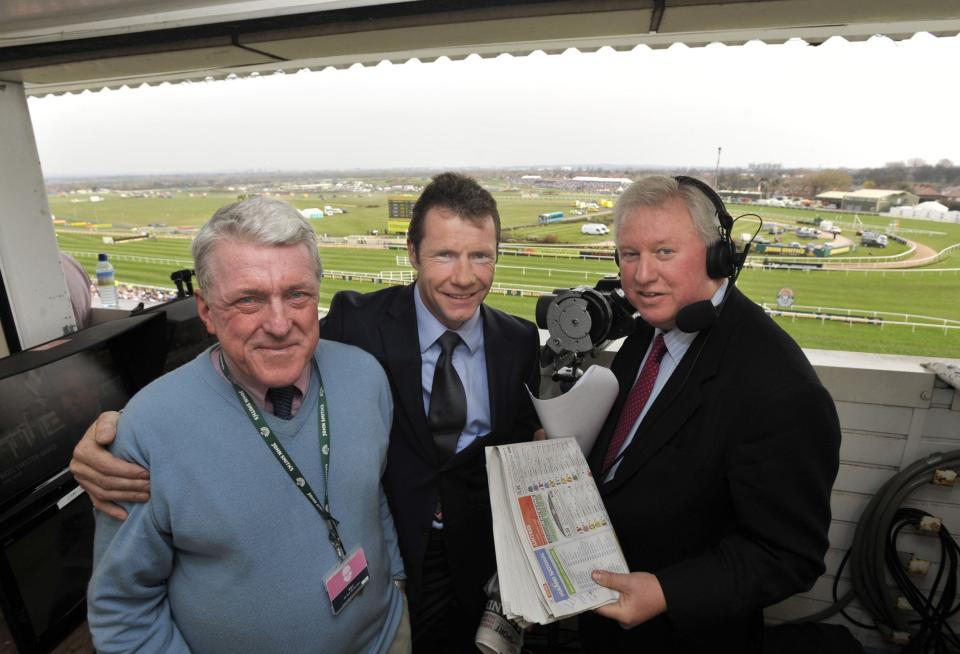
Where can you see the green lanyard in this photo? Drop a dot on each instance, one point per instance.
(287, 462)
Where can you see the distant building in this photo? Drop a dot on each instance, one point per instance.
(834, 198)
(951, 197)
(936, 207)
(870, 200)
(618, 181)
(926, 193)
(730, 195)
(929, 211)
(312, 213)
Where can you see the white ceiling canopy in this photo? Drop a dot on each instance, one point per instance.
(57, 46)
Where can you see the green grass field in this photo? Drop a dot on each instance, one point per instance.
(368, 211)
(932, 293)
(929, 293)
(364, 212)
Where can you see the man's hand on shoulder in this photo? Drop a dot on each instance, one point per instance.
(540, 435)
(105, 477)
(641, 597)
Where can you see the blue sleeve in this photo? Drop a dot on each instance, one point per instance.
(386, 518)
(390, 536)
(127, 604)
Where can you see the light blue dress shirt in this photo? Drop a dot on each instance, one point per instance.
(470, 362)
(677, 343)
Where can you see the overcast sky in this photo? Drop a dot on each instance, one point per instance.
(838, 104)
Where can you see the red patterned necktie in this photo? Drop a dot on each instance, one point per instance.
(636, 400)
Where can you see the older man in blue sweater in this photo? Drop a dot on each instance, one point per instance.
(267, 529)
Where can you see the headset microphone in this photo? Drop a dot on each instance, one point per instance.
(701, 315)
(697, 316)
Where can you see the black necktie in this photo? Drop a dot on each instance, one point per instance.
(282, 398)
(448, 402)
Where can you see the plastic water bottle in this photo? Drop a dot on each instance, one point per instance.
(106, 284)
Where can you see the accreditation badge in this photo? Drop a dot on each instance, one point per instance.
(347, 580)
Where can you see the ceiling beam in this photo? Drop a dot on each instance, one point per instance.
(429, 29)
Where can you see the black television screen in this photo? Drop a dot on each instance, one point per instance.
(49, 395)
(46, 553)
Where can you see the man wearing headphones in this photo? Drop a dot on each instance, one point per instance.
(717, 460)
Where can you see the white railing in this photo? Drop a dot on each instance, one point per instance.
(133, 258)
(939, 256)
(861, 316)
(530, 289)
(882, 258)
(587, 274)
(404, 276)
(858, 271)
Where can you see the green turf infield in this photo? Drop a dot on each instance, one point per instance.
(928, 293)
(364, 212)
(932, 293)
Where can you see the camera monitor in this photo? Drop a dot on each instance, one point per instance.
(49, 395)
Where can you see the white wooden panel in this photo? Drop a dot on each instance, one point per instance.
(878, 449)
(848, 506)
(942, 423)
(942, 396)
(859, 478)
(888, 387)
(874, 418)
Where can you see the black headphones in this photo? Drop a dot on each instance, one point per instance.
(722, 257)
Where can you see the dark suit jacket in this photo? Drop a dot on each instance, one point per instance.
(724, 492)
(384, 323)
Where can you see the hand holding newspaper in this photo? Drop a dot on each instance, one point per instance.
(550, 531)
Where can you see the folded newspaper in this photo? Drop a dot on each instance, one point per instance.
(550, 530)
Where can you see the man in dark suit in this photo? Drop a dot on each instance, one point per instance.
(436, 476)
(718, 458)
(438, 492)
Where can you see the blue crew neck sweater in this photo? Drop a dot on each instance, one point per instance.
(228, 555)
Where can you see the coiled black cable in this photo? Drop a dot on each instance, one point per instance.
(934, 633)
(873, 552)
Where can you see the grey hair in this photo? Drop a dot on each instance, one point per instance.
(655, 191)
(259, 220)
